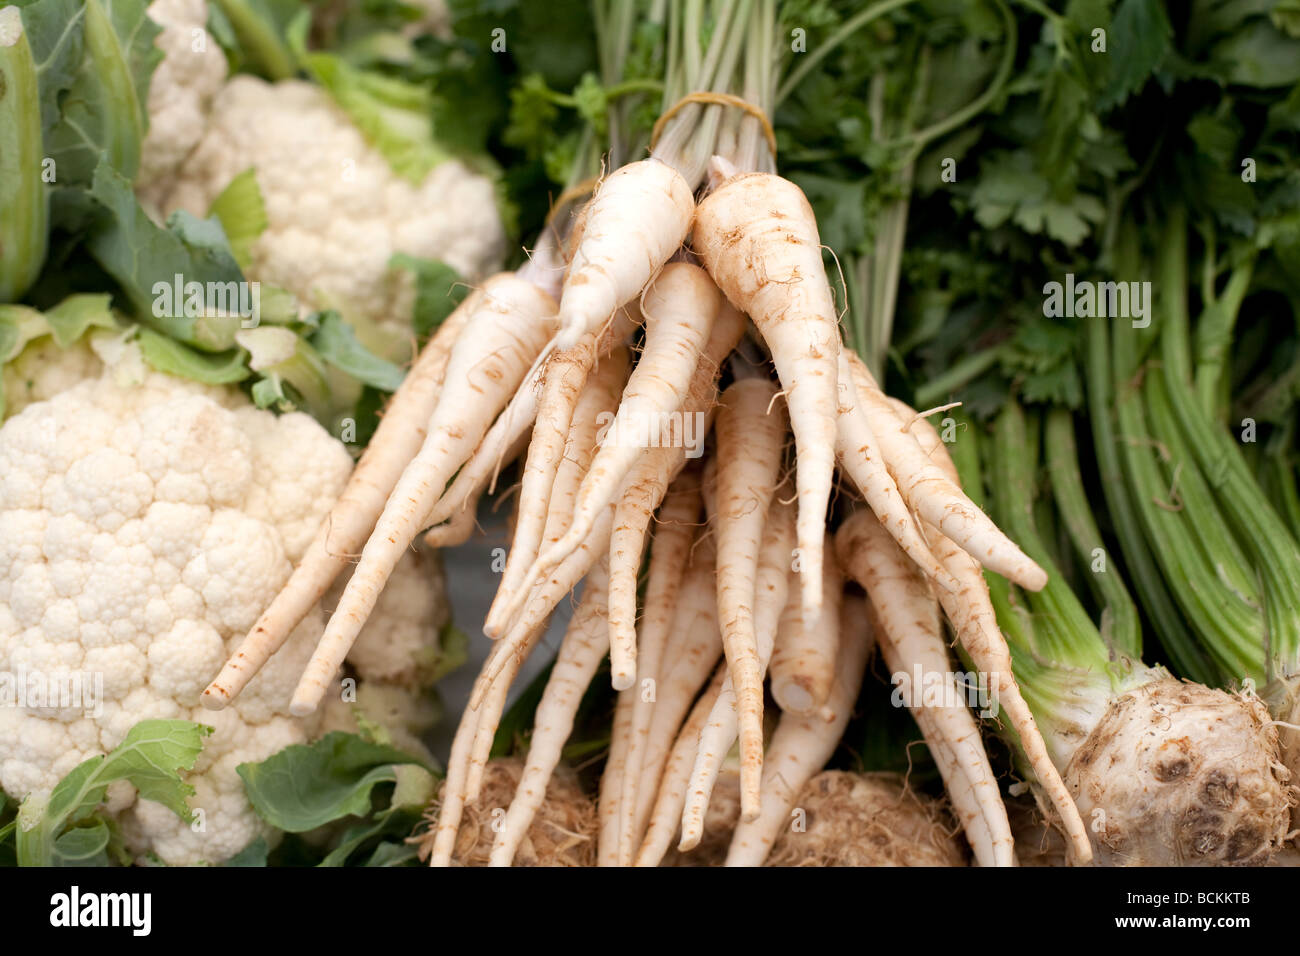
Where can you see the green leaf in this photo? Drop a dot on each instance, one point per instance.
(76, 315)
(174, 358)
(260, 29)
(83, 846)
(337, 344)
(150, 758)
(19, 324)
(1286, 17)
(453, 651)
(306, 786)
(1258, 55)
(397, 822)
(393, 854)
(145, 260)
(242, 214)
(97, 58)
(438, 290)
(24, 198)
(415, 788)
(841, 207)
(253, 855)
(395, 116)
(284, 358)
(1140, 35)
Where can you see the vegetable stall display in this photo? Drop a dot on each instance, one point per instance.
(943, 346)
(756, 239)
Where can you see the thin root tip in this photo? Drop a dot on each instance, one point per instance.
(302, 706)
(1032, 578)
(214, 698)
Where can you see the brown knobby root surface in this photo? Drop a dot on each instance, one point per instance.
(1177, 774)
(850, 819)
(563, 833)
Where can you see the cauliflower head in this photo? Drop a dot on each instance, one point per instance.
(43, 369)
(143, 529)
(336, 211)
(188, 78)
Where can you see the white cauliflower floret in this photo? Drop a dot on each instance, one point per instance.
(191, 73)
(143, 528)
(42, 370)
(401, 715)
(138, 542)
(336, 211)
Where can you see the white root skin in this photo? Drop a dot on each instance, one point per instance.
(669, 556)
(501, 445)
(803, 661)
(547, 595)
(668, 803)
(396, 441)
(581, 652)
(509, 328)
(679, 306)
(477, 472)
(645, 485)
(453, 804)
(460, 778)
(648, 481)
(911, 638)
(961, 794)
(930, 494)
(638, 217)
(758, 238)
(646, 489)
(776, 590)
(564, 380)
(609, 851)
(599, 398)
(971, 612)
(801, 746)
(750, 432)
(859, 456)
(694, 647)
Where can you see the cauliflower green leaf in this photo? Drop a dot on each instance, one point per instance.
(64, 830)
(306, 786)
